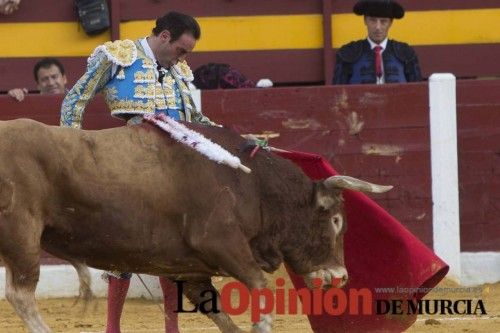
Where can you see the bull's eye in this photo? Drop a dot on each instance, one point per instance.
(336, 221)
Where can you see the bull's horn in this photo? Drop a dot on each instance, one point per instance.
(351, 183)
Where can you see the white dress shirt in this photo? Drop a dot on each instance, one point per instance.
(380, 80)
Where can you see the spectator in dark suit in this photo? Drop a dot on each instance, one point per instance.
(377, 59)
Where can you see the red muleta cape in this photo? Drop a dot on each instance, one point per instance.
(379, 253)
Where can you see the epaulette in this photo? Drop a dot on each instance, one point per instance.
(184, 71)
(120, 52)
(403, 51)
(352, 51)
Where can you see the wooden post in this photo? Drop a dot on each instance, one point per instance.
(327, 42)
(444, 168)
(115, 19)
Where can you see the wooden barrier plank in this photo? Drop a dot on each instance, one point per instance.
(369, 165)
(377, 106)
(478, 92)
(479, 139)
(445, 59)
(482, 115)
(484, 192)
(395, 143)
(479, 238)
(46, 109)
(479, 162)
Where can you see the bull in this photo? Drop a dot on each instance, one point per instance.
(132, 199)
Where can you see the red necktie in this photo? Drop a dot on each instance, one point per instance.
(378, 60)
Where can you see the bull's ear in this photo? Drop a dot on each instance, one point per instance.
(324, 202)
(350, 183)
(323, 198)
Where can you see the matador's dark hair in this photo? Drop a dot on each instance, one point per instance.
(177, 24)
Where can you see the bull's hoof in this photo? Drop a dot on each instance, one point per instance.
(263, 326)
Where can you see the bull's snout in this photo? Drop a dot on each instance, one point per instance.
(332, 277)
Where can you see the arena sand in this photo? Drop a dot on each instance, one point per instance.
(144, 316)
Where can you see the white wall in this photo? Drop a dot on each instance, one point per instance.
(62, 281)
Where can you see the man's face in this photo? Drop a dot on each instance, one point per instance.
(378, 28)
(169, 53)
(51, 80)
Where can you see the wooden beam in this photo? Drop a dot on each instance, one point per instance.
(327, 42)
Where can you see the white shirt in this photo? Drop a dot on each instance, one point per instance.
(383, 45)
(147, 49)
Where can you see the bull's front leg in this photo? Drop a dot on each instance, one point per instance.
(221, 243)
(20, 251)
(193, 291)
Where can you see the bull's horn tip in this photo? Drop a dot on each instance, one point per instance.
(385, 188)
(245, 168)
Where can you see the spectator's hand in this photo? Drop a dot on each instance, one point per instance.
(18, 93)
(7, 7)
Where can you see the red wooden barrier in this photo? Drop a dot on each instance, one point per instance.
(379, 133)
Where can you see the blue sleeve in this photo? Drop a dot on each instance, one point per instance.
(98, 73)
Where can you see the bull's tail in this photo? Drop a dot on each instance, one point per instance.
(85, 291)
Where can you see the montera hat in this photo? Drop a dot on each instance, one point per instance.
(379, 8)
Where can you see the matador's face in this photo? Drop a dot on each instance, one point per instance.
(170, 52)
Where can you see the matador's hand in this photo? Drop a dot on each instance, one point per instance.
(7, 7)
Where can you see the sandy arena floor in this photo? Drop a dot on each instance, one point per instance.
(144, 316)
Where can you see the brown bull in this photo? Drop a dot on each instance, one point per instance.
(133, 200)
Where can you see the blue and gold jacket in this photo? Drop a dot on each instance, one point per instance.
(131, 85)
